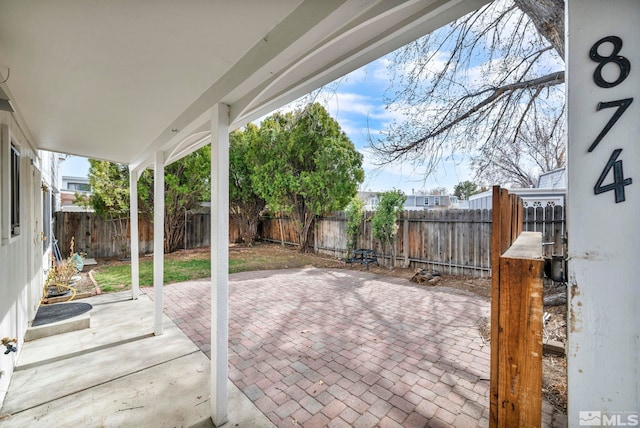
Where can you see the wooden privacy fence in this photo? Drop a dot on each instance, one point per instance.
(450, 241)
(96, 236)
(454, 242)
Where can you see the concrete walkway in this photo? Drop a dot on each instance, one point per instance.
(345, 348)
(117, 374)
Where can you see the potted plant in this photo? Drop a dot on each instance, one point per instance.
(61, 273)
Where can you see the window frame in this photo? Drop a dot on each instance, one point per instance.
(11, 194)
(79, 187)
(15, 189)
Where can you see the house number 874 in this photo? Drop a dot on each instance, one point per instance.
(624, 68)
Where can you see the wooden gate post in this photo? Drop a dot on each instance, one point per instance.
(516, 317)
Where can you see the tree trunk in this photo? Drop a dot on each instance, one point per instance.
(303, 235)
(556, 296)
(393, 254)
(556, 299)
(548, 18)
(174, 222)
(248, 229)
(248, 212)
(120, 235)
(303, 219)
(249, 225)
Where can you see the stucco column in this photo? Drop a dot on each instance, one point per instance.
(219, 261)
(134, 246)
(603, 320)
(158, 238)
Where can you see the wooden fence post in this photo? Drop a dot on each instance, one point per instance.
(405, 237)
(520, 333)
(498, 245)
(515, 394)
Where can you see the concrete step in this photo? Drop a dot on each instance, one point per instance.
(79, 322)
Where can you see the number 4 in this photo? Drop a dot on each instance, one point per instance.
(619, 182)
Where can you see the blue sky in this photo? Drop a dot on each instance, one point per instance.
(356, 102)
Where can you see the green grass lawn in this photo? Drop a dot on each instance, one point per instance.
(118, 277)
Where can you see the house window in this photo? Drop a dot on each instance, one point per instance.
(426, 201)
(437, 201)
(80, 187)
(15, 191)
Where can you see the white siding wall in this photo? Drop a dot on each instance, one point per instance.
(21, 256)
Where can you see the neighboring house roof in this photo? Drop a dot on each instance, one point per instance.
(556, 179)
(551, 191)
(413, 202)
(530, 197)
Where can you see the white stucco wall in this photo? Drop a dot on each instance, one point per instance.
(604, 246)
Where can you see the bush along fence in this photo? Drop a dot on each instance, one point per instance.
(455, 242)
(449, 241)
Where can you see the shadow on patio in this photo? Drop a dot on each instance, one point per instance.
(117, 373)
(308, 347)
(318, 347)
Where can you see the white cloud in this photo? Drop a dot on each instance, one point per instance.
(341, 103)
(408, 178)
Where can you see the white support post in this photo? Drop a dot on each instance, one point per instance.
(603, 106)
(158, 238)
(135, 245)
(219, 261)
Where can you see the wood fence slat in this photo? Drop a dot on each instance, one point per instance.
(450, 241)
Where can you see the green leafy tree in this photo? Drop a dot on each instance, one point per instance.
(384, 221)
(110, 198)
(243, 200)
(310, 167)
(355, 215)
(187, 182)
(465, 189)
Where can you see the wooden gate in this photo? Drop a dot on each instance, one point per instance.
(517, 267)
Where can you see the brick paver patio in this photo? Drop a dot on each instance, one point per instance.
(346, 348)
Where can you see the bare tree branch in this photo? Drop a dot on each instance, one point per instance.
(495, 94)
(477, 84)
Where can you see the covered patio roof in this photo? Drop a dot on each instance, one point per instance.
(120, 80)
(146, 83)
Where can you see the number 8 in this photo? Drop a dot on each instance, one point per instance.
(622, 62)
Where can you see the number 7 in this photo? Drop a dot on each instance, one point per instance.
(622, 105)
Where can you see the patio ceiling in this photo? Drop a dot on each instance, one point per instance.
(119, 80)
